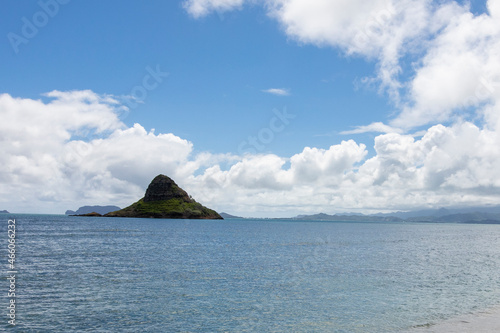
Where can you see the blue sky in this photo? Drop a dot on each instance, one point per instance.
(357, 82)
(218, 68)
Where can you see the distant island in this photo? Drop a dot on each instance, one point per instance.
(93, 209)
(165, 199)
(4, 212)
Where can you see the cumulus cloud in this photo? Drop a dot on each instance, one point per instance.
(460, 70)
(383, 30)
(455, 53)
(436, 60)
(458, 48)
(447, 166)
(72, 150)
(278, 91)
(457, 161)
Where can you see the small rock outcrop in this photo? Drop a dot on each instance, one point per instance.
(165, 199)
(93, 214)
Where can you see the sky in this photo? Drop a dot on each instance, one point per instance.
(258, 108)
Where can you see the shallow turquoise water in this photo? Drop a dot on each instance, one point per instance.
(145, 275)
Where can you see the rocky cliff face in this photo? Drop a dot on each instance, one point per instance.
(165, 199)
(164, 188)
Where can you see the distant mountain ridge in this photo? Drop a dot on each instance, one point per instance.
(347, 218)
(4, 212)
(93, 209)
(442, 212)
(487, 215)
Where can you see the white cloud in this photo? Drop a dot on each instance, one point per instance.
(46, 167)
(277, 91)
(460, 70)
(447, 166)
(381, 29)
(454, 70)
(456, 53)
(373, 127)
(494, 8)
(44, 158)
(200, 8)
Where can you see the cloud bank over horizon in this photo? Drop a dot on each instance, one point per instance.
(74, 150)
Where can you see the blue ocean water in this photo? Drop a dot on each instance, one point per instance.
(79, 274)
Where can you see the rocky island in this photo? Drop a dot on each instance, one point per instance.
(164, 199)
(93, 209)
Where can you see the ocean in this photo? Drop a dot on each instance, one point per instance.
(84, 274)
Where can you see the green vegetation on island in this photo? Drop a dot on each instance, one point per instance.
(165, 199)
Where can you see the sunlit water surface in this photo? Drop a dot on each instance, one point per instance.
(145, 275)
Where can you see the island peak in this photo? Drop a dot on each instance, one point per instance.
(164, 188)
(165, 199)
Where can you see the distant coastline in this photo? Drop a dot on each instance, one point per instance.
(489, 215)
(473, 215)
